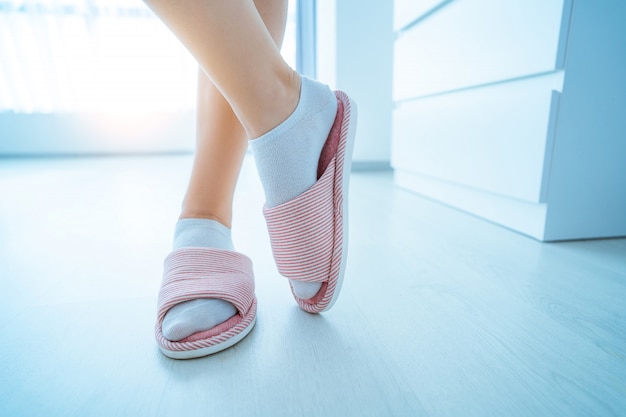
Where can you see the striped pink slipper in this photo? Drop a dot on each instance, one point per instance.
(309, 234)
(192, 273)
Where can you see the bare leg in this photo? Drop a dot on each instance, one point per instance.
(221, 140)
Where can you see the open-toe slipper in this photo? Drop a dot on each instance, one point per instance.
(193, 273)
(309, 234)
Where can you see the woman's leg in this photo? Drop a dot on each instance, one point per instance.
(289, 117)
(221, 143)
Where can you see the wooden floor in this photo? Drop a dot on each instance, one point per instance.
(442, 314)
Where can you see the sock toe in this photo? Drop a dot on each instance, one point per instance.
(305, 290)
(194, 316)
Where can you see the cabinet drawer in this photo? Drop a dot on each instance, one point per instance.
(495, 139)
(406, 11)
(473, 42)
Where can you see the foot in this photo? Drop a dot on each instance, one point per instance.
(195, 273)
(287, 156)
(194, 316)
(309, 234)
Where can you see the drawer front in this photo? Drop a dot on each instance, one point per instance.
(406, 11)
(495, 139)
(473, 42)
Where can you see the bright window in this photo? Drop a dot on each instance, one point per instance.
(60, 56)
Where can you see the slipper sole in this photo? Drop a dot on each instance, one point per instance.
(345, 188)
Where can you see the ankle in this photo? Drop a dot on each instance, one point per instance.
(203, 233)
(280, 101)
(224, 219)
(287, 157)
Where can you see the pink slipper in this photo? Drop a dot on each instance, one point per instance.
(309, 234)
(193, 273)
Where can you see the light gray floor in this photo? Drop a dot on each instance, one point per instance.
(442, 314)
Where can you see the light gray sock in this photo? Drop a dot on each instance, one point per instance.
(287, 156)
(194, 316)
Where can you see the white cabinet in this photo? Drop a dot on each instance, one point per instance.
(473, 42)
(493, 139)
(514, 111)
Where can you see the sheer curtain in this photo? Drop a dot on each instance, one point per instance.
(90, 55)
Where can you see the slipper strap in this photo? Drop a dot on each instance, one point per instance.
(302, 231)
(193, 273)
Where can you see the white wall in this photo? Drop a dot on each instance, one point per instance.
(355, 54)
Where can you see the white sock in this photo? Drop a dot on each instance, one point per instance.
(288, 155)
(194, 316)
